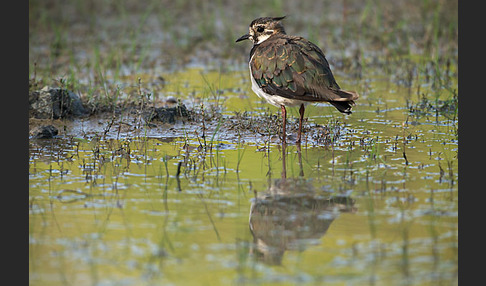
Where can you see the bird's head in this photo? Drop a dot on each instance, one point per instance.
(262, 28)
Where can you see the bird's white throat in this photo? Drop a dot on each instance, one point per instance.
(263, 37)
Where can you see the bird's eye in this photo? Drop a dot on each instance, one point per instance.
(260, 29)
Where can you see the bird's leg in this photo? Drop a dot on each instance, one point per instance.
(284, 120)
(301, 112)
(284, 166)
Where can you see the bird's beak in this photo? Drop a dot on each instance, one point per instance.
(244, 37)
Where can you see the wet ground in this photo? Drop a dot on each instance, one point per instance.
(216, 198)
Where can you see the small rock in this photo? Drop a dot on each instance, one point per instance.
(171, 100)
(167, 114)
(54, 103)
(44, 132)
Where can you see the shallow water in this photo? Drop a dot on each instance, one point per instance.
(377, 204)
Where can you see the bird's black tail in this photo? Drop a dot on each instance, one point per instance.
(343, 106)
(344, 100)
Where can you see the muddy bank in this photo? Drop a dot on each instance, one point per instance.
(192, 126)
(59, 113)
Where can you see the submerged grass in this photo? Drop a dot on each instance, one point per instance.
(149, 183)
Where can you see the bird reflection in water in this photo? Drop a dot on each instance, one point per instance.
(291, 215)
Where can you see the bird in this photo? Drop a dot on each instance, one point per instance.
(290, 71)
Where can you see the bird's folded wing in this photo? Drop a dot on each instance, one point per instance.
(295, 68)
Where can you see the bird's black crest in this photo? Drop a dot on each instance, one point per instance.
(264, 20)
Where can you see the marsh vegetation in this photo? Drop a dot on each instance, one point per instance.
(125, 196)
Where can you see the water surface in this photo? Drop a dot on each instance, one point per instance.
(374, 203)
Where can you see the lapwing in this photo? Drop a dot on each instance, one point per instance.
(291, 71)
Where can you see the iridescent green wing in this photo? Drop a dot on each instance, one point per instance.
(318, 71)
(295, 68)
(271, 68)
